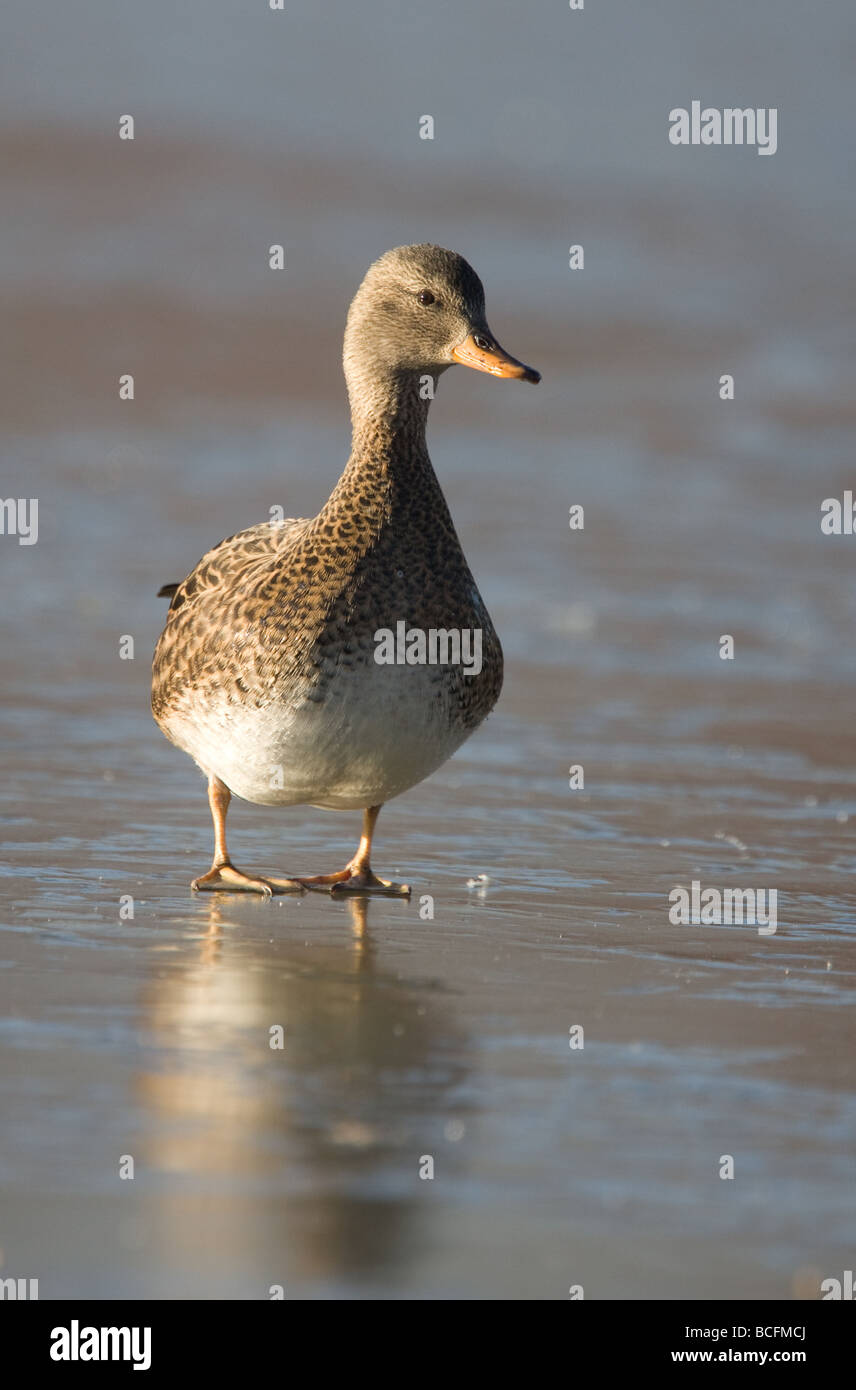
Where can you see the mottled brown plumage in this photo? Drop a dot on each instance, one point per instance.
(265, 671)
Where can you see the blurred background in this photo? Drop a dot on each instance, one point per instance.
(447, 1036)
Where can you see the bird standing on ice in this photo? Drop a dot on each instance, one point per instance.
(265, 672)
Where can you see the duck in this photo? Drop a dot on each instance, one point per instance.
(267, 672)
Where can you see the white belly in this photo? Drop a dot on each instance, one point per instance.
(378, 731)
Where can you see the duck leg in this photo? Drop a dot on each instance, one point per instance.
(357, 876)
(223, 875)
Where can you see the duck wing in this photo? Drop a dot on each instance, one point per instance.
(212, 613)
(231, 556)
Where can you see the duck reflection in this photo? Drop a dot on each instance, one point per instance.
(293, 1158)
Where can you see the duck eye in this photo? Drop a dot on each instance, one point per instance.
(425, 297)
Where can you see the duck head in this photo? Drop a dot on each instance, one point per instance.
(420, 310)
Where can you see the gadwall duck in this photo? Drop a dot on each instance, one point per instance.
(340, 660)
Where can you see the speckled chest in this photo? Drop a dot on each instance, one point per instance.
(413, 576)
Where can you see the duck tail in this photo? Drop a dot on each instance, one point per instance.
(168, 590)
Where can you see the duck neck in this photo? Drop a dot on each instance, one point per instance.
(389, 465)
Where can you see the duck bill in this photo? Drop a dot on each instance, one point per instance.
(482, 351)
